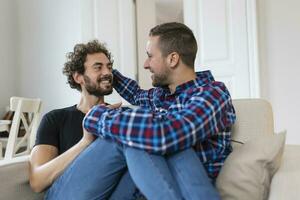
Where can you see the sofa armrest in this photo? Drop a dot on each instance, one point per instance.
(286, 181)
(14, 182)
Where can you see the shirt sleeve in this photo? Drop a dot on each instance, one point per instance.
(161, 132)
(131, 91)
(48, 132)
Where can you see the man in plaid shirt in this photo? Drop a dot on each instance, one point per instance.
(186, 110)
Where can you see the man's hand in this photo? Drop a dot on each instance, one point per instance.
(87, 138)
(113, 106)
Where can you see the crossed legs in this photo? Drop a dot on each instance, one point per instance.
(96, 172)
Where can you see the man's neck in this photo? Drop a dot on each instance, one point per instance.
(180, 77)
(87, 101)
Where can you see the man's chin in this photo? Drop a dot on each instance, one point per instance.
(101, 93)
(156, 84)
(106, 92)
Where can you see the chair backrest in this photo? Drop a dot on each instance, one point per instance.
(254, 118)
(27, 113)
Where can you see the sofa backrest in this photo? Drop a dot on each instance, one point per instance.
(254, 118)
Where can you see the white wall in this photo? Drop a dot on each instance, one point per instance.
(116, 27)
(36, 35)
(48, 29)
(8, 40)
(279, 33)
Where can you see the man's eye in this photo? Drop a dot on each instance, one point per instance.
(98, 67)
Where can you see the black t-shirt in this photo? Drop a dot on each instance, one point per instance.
(61, 128)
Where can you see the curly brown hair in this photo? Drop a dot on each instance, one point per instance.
(76, 59)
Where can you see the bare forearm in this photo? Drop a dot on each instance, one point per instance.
(43, 175)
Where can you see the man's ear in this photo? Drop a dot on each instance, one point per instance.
(173, 59)
(78, 78)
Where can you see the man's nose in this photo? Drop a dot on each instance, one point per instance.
(106, 70)
(146, 64)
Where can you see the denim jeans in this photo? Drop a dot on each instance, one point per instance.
(178, 176)
(93, 175)
(99, 172)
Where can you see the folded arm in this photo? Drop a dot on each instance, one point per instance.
(46, 165)
(203, 115)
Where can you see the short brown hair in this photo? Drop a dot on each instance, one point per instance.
(176, 37)
(76, 59)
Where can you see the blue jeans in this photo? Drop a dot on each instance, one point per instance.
(178, 176)
(96, 172)
(94, 175)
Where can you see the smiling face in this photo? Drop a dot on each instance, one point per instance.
(98, 76)
(156, 63)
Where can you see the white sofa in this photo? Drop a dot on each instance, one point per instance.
(254, 119)
(278, 173)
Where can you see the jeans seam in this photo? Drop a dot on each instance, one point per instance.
(161, 174)
(184, 186)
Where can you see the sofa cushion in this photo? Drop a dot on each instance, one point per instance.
(248, 170)
(14, 182)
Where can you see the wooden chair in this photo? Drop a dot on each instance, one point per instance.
(27, 114)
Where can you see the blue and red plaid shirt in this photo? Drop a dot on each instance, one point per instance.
(198, 114)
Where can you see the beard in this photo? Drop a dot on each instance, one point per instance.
(96, 89)
(161, 79)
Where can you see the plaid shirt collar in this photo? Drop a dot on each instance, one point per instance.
(202, 78)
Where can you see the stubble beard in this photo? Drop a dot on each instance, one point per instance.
(160, 80)
(96, 89)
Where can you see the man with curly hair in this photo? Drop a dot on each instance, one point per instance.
(60, 137)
